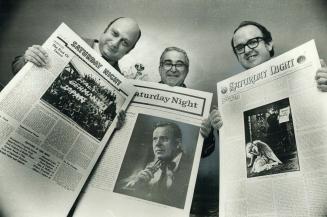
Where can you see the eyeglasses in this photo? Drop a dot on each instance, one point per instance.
(169, 66)
(252, 43)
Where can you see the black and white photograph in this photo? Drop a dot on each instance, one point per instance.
(270, 140)
(222, 38)
(158, 161)
(83, 98)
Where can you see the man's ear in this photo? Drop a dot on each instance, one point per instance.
(232, 44)
(269, 45)
(160, 70)
(131, 48)
(179, 143)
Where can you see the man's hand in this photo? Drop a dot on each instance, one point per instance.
(205, 128)
(215, 119)
(120, 119)
(321, 77)
(37, 55)
(144, 176)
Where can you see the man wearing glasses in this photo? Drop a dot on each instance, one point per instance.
(252, 44)
(173, 69)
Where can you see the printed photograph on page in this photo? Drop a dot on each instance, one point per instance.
(158, 161)
(85, 98)
(270, 140)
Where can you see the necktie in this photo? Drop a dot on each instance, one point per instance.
(166, 179)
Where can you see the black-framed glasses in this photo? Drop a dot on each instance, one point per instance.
(169, 66)
(252, 43)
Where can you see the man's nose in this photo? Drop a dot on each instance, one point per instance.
(158, 142)
(173, 68)
(115, 42)
(247, 49)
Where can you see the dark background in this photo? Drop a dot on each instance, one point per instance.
(140, 150)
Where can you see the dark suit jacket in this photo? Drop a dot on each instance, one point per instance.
(174, 196)
(209, 142)
(19, 61)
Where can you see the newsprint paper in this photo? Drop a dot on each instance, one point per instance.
(273, 142)
(118, 189)
(54, 123)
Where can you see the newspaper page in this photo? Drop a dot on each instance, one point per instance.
(55, 122)
(273, 142)
(150, 167)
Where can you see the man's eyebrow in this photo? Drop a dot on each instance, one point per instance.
(243, 44)
(249, 40)
(113, 29)
(127, 40)
(124, 38)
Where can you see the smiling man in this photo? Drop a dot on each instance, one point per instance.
(173, 69)
(174, 65)
(117, 40)
(252, 44)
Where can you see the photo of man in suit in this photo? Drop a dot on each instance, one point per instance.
(165, 177)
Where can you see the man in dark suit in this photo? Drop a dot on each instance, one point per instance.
(117, 40)
(253, 45)
(173, 69)
(165, 179)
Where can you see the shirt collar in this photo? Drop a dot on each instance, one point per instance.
(96, 46)
(176, 160)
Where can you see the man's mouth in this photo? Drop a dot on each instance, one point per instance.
(172, 76)
(111, 49)
(160, 151)
(251, 57)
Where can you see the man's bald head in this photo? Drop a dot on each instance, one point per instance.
(119, 38)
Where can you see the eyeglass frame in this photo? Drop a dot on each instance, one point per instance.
(179, 69)
(247, 44)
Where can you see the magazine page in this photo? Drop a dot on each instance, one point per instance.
(54, 122)
(151, 164)
(273, 142)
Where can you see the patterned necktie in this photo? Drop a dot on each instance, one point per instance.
(167, 176)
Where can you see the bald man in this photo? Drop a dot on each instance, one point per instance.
(117, 40)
